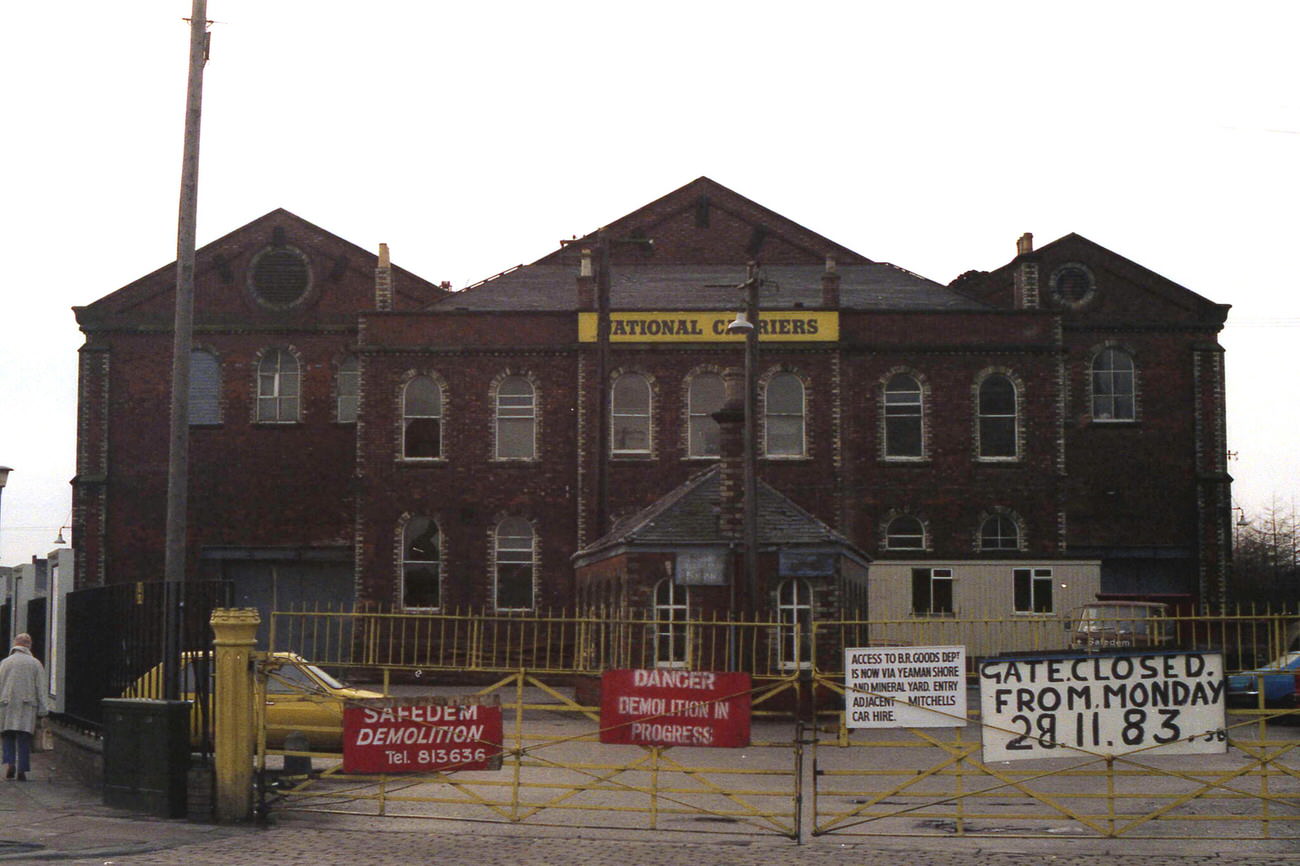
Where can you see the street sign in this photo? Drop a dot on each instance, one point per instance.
(422, 735)
(1166, 703)
(660, 707)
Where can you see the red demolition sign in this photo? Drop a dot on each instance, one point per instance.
(674, 708)
(421, 735)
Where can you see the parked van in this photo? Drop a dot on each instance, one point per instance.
(1103, 625)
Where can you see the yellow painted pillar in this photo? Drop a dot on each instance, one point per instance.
(235, 635)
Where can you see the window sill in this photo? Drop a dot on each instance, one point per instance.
(786, 458)
(1113, 422)
(628, 457)
(999, 461)
(904, 461)
(276, 423)
(421, 461)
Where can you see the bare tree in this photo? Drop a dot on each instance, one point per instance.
(1266, 558)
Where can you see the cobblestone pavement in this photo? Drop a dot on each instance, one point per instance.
(297, 845)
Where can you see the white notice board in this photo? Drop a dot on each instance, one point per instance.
(905, 687)
(1165, 703)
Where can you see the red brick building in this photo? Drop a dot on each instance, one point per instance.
(1018, 440)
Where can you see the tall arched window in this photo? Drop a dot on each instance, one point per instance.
(348, 389)
(905, 533)
(205, 388)
(421, 419)
(1112, 386)
(672, 607)
(516, 408)
(629, 409)
(794, 609)
(706, 394)
(515, 545)
(278, 388)
(784, 416)
(903, 417)
(421, 564)
(999, 532)
(997, 417)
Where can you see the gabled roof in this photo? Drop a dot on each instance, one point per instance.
(687, 516)
(994, 287)
(218, 278)
(704, 236)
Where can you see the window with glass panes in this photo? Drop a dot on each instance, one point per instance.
(997, 417)
(784, 416)
(1032, 590)
(421, 419)
(278, 388)
(706, 395)
(932, 591)
(1112, 386)
(903, 418)
(349, 390)
(516, 419)
(630, 415)
(999, 532)
(514, 564)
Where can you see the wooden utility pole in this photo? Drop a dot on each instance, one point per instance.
(175, 553)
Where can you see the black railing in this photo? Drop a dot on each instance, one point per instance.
(115, 637)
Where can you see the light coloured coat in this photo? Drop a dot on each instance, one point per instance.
(22, 691)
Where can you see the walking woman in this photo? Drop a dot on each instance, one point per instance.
(22, 700)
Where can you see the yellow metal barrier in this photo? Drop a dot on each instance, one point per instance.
(894, 782)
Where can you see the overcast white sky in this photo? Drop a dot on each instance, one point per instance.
(473, 136)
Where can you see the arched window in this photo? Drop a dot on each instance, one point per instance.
(516, 405)
(794, 609)
(421, 564)
(629, 409)
(706, 394)
(515, 545)
(1112, 386)
(421, 419)
(905, 533)
(348, 389)
(999, 532)
(997, 417)
(784, 416)
(278, 388)
(903, 417)
(205, 388)
(672, 607)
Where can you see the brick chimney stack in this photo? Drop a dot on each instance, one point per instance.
(830, 285)
(586, 282)
(383, 281)
(1026, 274)
(731, 450)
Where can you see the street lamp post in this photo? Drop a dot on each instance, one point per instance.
(747, 325)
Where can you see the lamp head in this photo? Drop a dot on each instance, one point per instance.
(742, 325)
(4, 475)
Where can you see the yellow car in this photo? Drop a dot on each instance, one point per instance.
(300, 697)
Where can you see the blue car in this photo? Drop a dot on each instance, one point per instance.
(1279, 680)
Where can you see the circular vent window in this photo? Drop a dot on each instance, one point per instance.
(280, 277)
(1072, 284)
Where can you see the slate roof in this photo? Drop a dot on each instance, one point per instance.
(553, 287)
(688, 516)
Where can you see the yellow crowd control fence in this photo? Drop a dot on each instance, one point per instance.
(545, 669)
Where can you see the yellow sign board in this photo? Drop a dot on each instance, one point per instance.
(700, 326)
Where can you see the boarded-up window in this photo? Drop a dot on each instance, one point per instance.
(205, 388)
